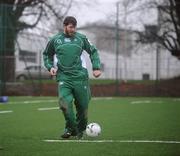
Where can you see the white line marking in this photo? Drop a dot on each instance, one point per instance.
(145, 101)
(137, 102)
(102, 98)
(116, 141)
(52, 101)
(177, 99)
(48, 108)
(33, 101)
(9, 111)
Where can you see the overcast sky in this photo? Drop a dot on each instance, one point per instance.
(95, 11)
(103, 10)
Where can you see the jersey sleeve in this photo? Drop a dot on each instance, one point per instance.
(93, 53)
(48, 55)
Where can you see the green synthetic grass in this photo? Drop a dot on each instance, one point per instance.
(94, 81)
(23, 131)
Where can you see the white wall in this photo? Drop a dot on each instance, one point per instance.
(132, 68)
(31, 43)
(142, 62)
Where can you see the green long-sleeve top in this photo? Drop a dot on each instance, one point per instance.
(68, 51)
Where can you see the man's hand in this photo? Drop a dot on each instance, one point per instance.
(53, 71)
(96, 73)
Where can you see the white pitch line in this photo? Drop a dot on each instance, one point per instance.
(115, 141)
(137, 102)
(102, 98)
(48, 108)
(3, 112)
(52, 101)
(145, 101)
(31, 102)
(177, 99)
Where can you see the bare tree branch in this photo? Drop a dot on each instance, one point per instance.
(23, 25)
(169, 25)
(60, 17)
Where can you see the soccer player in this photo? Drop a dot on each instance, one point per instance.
(71, 75)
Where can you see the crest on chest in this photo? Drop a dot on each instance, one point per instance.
(66, 40)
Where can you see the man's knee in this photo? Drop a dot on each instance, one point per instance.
(63, 104)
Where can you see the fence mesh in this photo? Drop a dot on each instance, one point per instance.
(139, 69)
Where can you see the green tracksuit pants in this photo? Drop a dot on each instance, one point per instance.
(75, 92)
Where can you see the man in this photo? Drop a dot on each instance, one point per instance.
(71, 75)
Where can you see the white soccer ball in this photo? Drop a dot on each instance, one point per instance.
(93, 130)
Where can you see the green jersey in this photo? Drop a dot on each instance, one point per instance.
(68, 51)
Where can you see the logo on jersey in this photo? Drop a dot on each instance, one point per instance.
(67, 40)
(59, 41)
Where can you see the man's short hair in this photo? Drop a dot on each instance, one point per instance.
(70, 20)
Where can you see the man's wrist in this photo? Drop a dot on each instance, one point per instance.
(49, 69)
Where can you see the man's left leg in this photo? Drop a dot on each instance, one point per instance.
(82, 97)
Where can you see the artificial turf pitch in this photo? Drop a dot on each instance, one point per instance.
(130, 126)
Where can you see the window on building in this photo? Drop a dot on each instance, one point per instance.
(146, 76)
(27, 56)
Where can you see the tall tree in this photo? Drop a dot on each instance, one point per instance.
(168, 26)
(17, 15)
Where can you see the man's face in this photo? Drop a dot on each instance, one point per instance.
(69, 29)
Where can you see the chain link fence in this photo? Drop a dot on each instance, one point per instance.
(138, 69)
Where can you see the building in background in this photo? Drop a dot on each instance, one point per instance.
(137, 61)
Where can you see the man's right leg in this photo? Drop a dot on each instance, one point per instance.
(65, 102)
(82, 97)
